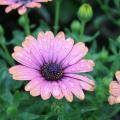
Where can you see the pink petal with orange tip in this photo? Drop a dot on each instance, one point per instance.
(11, 7)
(111, 100)
(81, 78)
(28, 43)
(85, 82)
(36, 91)
(16, 5)
(115, 91)
(40, 36)
(56, 90)
(22, 10)
(78, 51)
(62, 46)
(21, 72)
(46, 43)
(25, 58)
(114, 85)
(81, 66)
(33, 83)
(118, 99)
(117, 74)
(8, 9)
(114, 100)
(75, 88)
(58, 43)
(6, 2)
(66, 92)
(33, 5)
(86, 86)
(46, 90)
(31, 45)
(114, 88)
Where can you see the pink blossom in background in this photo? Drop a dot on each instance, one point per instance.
(21, 5)
(51, 65)
(114, 90)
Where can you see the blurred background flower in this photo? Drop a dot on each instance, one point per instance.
(102, 36)
(21, 5)
(114, 90)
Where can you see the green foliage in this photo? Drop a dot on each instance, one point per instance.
(101, 34)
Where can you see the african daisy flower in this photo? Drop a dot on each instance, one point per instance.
(51, 63)
(114, 90)
(21, 5)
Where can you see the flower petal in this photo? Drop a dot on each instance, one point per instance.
(115, 91)
(46, 42)
(117, 74)
(22, 10)
(21, 72)
(81, 66)
(33, 83)
(62, 46)
(46, 90)
(75, 88)
(36, 91)
(78, 51)
(66, 92)
(25, 58)
(111, 100)
(114, 85)
(33, 5)
(31, 45)
(56, 91)
(85, 82)
(6, 2)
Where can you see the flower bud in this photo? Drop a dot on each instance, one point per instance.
(104, 55)
(85, 12)
(75, 26)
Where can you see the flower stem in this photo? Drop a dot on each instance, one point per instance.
(58, 109)
(27, 22)
(7, 55)
(82, 30)
(57, 15)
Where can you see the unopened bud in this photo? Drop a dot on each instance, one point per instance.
(85, 12)
(75, 26)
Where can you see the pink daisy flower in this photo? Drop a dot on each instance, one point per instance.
(51, 63)
(114, 90)
(21, 5)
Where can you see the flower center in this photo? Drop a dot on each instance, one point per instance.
(52, 72)
(23, 1)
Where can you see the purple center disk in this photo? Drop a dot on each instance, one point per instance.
(52, 72)
(23, 1)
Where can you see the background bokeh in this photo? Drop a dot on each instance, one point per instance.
(102, 36)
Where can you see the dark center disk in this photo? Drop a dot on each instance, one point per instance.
(23, 1)
(52, 72)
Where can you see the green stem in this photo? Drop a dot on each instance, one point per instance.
(82, 30)
(57, 108)
(57, 15)
(27, 22)
(8, 56)
(60, 117)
